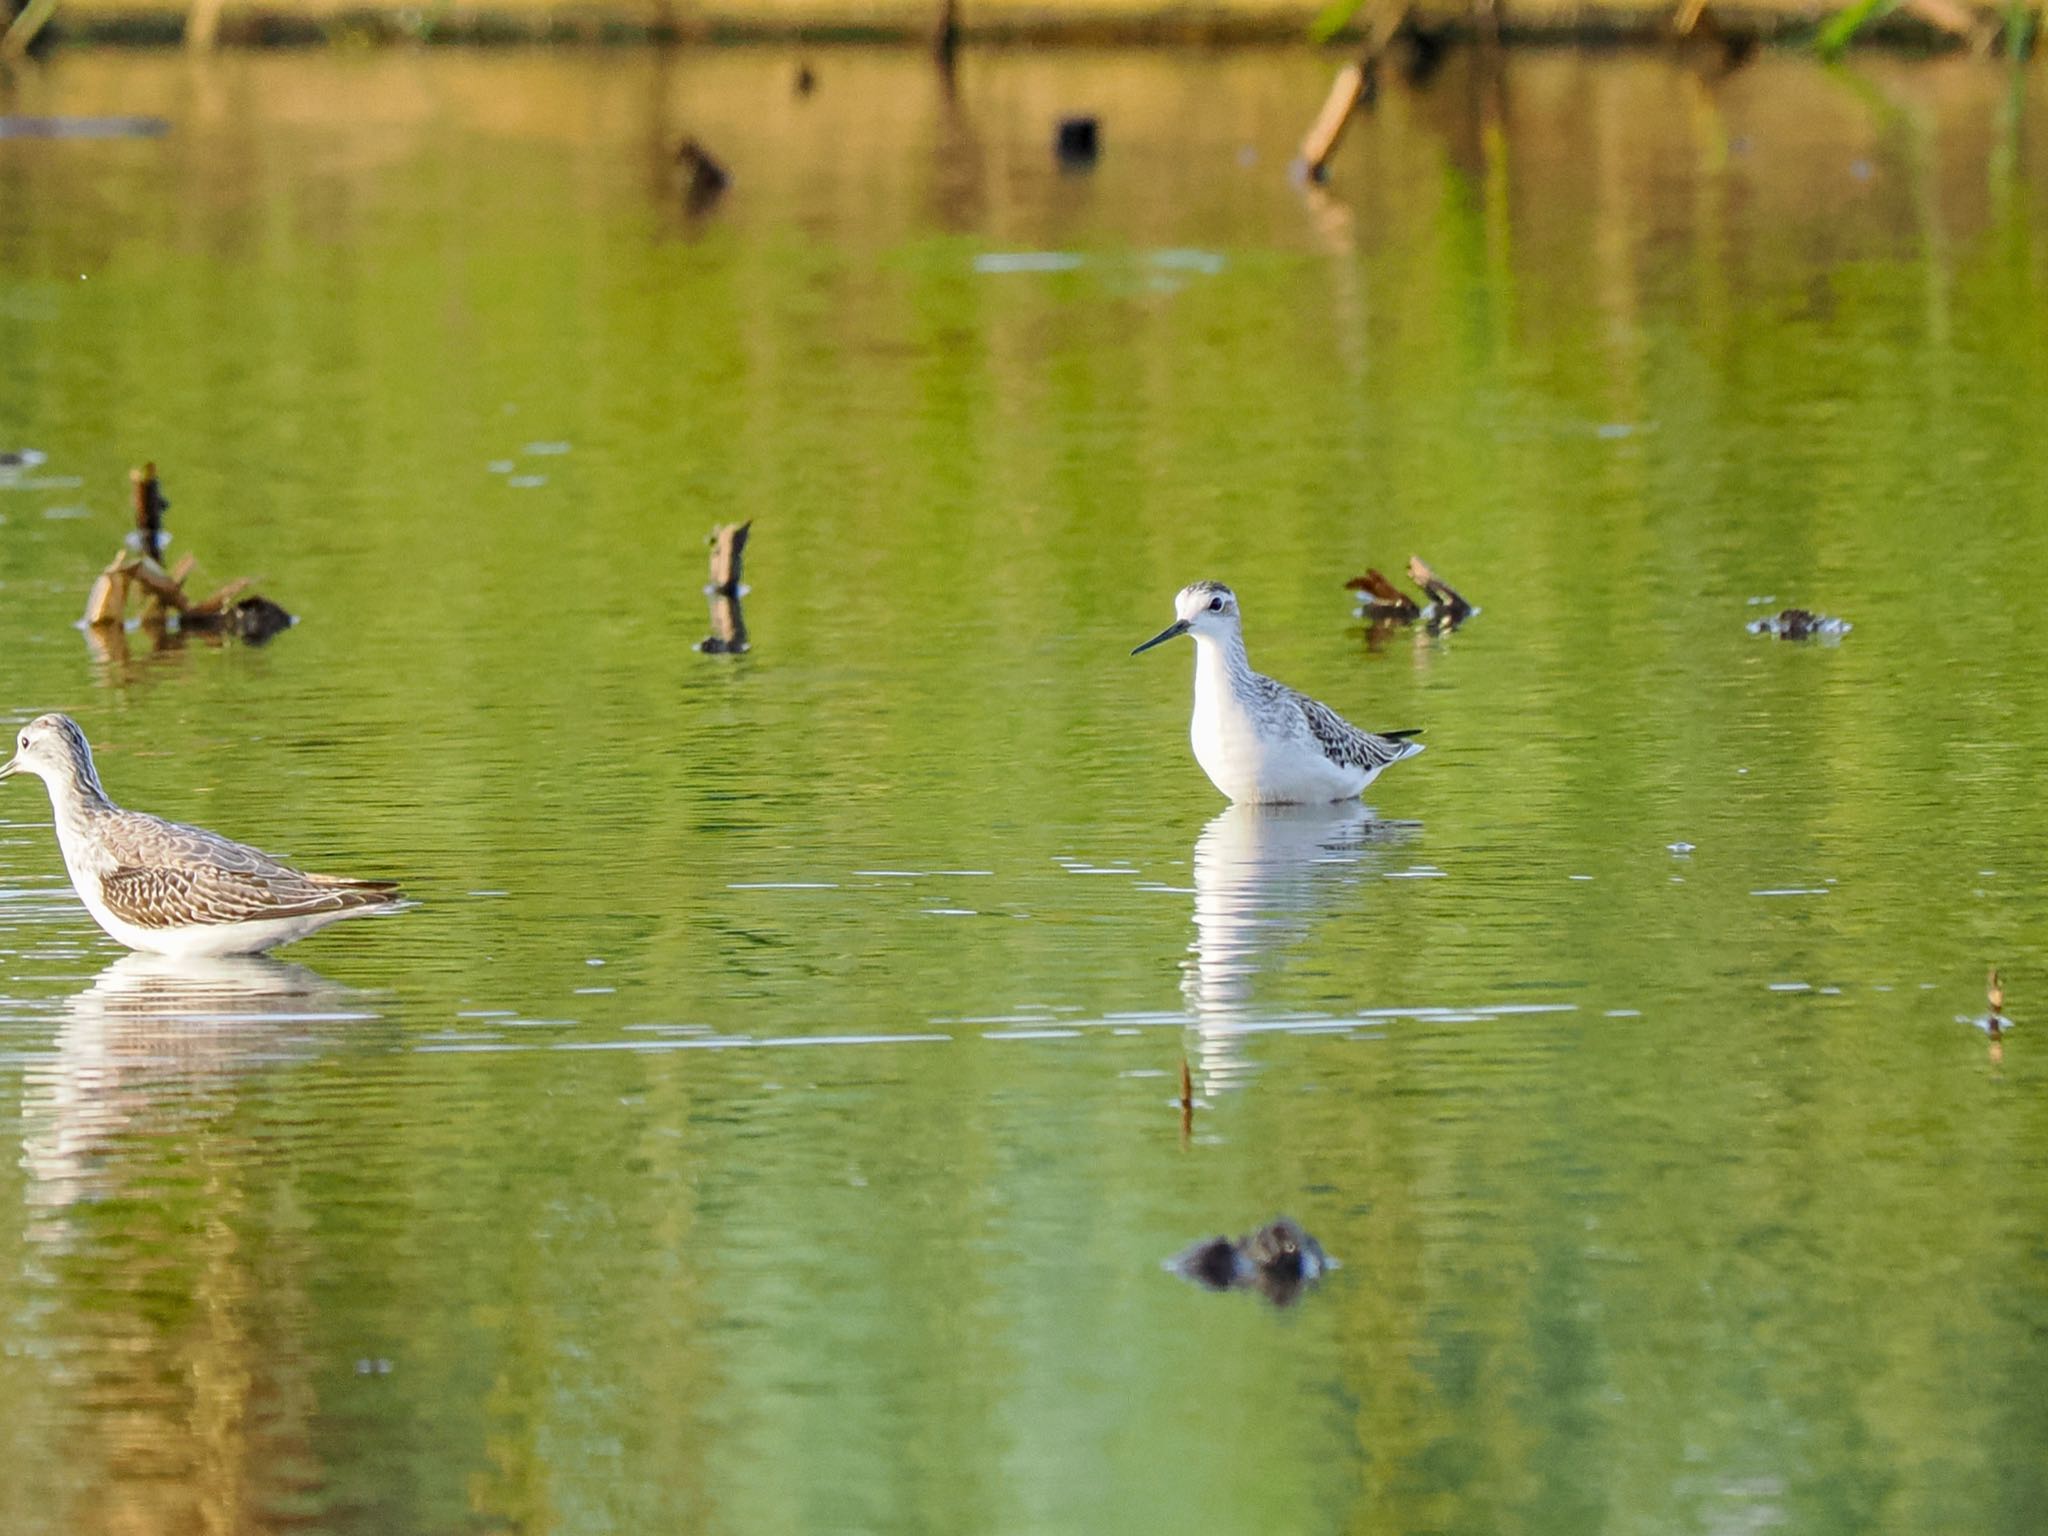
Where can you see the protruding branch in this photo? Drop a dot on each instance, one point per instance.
(1383, 598)
(1450, 606)
(728, 543)
(150, 507)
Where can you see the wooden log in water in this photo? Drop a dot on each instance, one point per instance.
(107, 602)
(1449, 603)
(728, 635)
(1328, 129)
(728, 544)
(150, 507)
(1383, 598)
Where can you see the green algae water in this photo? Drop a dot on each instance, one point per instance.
(765, 1121)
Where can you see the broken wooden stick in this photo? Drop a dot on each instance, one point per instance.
(1383, 598)
(1328, 129)
(1356, 85)
(150, 507)
(728, 635)
(1451, 607)
(728, 544)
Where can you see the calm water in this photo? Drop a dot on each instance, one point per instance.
(763, 1124)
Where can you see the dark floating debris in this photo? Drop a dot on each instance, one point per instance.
(704, 179)
(806, 82)
(1800, 624)
(1385, 605)
(138, 571)
(1279, 1261)
(728, 635)
(1077, 142)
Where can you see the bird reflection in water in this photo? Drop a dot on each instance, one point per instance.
(154, 1205)
(148, 1049)
(1262, 875)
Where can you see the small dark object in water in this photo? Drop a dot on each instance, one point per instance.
(1383, 599)
(806, 82)
(257, 619)
(150, 506)
(1800, 624)
(1279, 1261)
(1212, 1263)
(704, 179)
(1281, 1251)
(1448, 609)
(1077, 142)
(1420, 50)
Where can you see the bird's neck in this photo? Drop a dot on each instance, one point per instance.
(76, 797)
(1222, 670)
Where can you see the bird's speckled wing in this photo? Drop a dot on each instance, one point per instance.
(167, 875)
(1345, 744)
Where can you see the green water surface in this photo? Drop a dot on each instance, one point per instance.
(764, 1123)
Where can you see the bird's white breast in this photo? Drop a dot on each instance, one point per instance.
(1251, 758)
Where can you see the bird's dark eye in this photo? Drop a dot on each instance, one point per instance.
(1215, 605)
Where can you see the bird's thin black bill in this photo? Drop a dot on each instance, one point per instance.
(1166, 634)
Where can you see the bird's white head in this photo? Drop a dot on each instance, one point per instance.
(54, 749)
(1205, 609)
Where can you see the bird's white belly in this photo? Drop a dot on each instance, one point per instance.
(199, 940)
(189, 941)
(1248, 765)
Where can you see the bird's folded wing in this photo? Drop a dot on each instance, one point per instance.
(1343, 742)
(180, 895)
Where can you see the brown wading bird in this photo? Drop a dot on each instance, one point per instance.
(171, 889)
